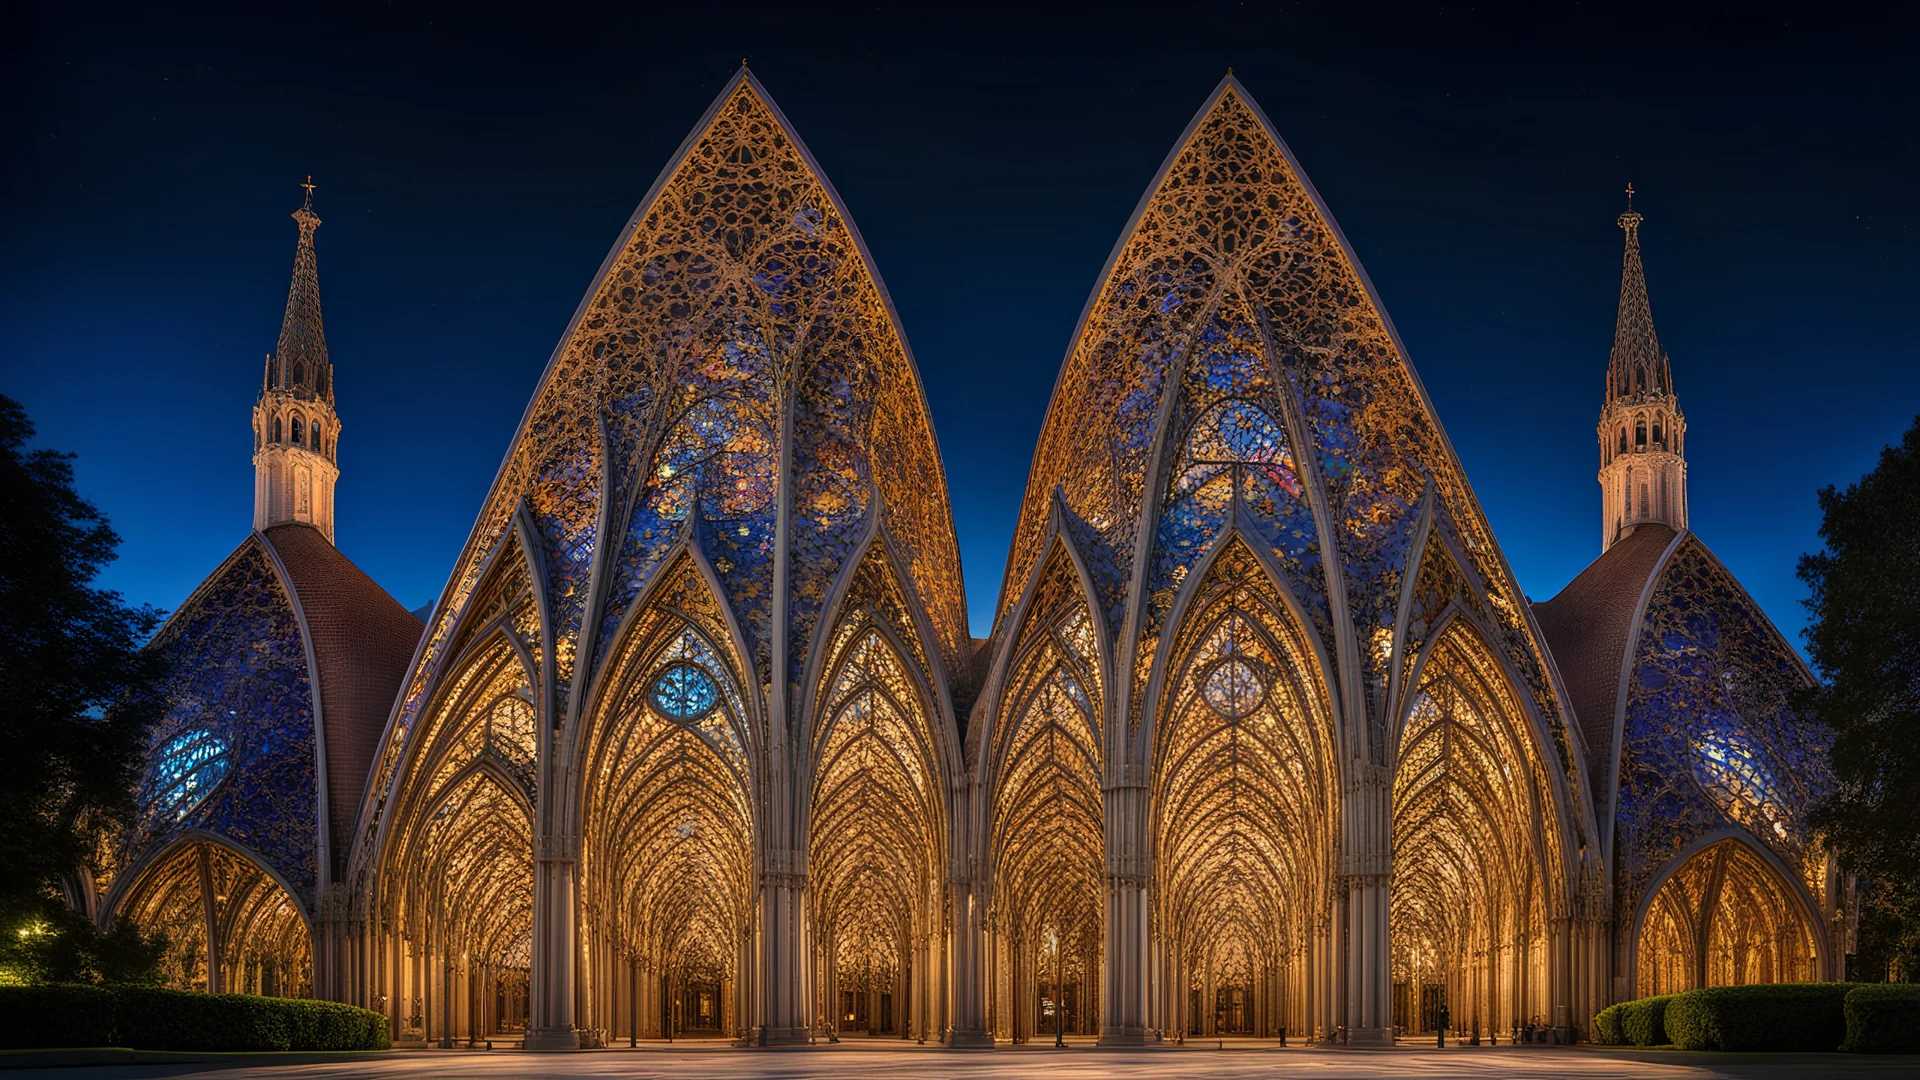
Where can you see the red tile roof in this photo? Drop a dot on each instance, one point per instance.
(1587, 627)
(362, 642)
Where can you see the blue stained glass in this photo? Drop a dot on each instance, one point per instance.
(684, 692)
(185, 768)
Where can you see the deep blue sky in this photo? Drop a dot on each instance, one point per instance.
(474, 166)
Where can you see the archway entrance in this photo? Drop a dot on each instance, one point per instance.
(667, 859)
(230, 926)
(877, 842)
(1046, 835)
(1725, 917)
(1475, 841)
(1244, 810)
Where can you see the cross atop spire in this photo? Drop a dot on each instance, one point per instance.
(300, 363)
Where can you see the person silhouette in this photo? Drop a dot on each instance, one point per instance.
(1441, 1020)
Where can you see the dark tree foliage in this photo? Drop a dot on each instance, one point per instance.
(1864, 639)
(79, 690)
(64, 946)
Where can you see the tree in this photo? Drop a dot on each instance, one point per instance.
(1864, 640)
(79, 691)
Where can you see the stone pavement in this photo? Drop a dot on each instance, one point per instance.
(886, 1060)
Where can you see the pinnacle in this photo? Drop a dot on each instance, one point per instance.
(1638, 364)
(300, 361)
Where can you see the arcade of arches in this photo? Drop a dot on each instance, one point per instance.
(1266, 742)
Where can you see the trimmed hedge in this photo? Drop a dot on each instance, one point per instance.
(1778, 1016)
(1606, 1025)
(1883, 1018)
(1643, 1022)
(150, 1018)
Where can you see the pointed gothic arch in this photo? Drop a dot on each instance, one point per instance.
(1245, 808)
(877, 814)
(1479, 848)
(232, 924)
(1043, 759)
(1724, 913)
(452, 947)
(669, 815)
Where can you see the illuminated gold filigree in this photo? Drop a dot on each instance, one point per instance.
(224, 916)
(1046, 840)
(1244, 807)
(1476, 846)
(1725, 917)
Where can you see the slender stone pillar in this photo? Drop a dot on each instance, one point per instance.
(782, 982)
(556, 859)
(1123, 1020)
(966, 1020)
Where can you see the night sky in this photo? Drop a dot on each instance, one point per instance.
(474, 166)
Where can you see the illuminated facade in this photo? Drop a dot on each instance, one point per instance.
(1266, 740)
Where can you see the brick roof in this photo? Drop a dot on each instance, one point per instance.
(362, 642)
(1587, 627)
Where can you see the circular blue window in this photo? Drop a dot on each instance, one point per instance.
(684, 691)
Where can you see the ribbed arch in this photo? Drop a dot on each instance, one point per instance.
(877, 832)
(231, 926)
(1244, 810)
(1723, 917)
(668, 767)
(1046, 840)
(1477, 845)
(455, 886)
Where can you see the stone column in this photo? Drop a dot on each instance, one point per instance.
(966, 1016)
(1123, 1020)
(781, 984)
(556, 860)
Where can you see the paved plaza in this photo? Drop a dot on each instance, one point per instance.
(861, 1061)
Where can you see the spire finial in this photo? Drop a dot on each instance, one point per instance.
(1630, 221)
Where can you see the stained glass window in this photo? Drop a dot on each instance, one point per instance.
(1737, 775)
(185, 768)
(684, 692)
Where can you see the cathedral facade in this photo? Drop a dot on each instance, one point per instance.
(1266, 740)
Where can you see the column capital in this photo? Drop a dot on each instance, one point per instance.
(556, 849)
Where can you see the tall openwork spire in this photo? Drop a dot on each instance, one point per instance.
(300, 363)
(1638, 365)
(1643, 473)
(295, 430)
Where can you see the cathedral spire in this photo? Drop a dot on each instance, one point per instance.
(300, 364)
(1643, 470)
(295, 430)
(1638, 365)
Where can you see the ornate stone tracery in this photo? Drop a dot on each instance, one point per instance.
(1265, 742)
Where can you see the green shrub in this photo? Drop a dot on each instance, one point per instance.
(1643, 1022)
(36, 1016)
(1606, 1025)
(150, 1018)
(156, 1019)
(329, 1025)
(1883, 1018)
(1779, 1016)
